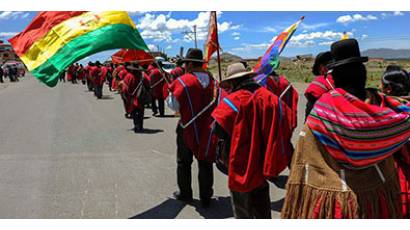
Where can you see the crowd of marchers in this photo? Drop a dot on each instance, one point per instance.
(352, 158)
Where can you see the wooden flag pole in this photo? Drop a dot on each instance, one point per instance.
(217, 49)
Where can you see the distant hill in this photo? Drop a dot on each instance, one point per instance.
(228, 57)
(387, 53)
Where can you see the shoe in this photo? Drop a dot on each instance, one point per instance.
(179, 196)
(205, 203)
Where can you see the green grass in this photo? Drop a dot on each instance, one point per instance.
(302, 72)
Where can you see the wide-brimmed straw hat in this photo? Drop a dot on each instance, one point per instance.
(237, 70)
(345, 52)
(194, 55)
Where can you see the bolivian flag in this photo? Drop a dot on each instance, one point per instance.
(55, 40)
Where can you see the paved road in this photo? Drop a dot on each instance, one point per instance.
(65, 154)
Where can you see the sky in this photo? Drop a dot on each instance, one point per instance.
(248, 34)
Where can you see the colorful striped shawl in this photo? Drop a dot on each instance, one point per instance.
(356, 133)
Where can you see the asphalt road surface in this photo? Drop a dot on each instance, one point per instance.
(65, 154)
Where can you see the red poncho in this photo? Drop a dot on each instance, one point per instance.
(94, 72)
(277, 85)
(258, 132)
(70, 72)
(192, 98)
(102, 76)
(157, 83)
(177, 72)
(129, 85)
(319, 86)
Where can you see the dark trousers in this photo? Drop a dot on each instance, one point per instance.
(89, 85)
(1, 78)
(160, 107)
(98, 91)
(184, 177)
(109, 83)
(138, 119)
(252, 205)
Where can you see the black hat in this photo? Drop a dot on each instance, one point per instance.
(345, 52)
(194, 55)
(323, 58)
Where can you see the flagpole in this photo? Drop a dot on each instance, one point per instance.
(217, 49)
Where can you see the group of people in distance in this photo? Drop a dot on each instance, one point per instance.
(352, 158)
(12, 71)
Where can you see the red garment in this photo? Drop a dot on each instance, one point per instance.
(192, 98)
(402, 162)
(81, 73)
(117, 70)
(70, 72)
(129, 85)
(122, 73)
(102, 76)
(177, 72)
(257, 129)
(319, 86)
(94, 72)
(277, 85)
(157, 83)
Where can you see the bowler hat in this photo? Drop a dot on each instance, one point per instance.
(194, 55)
(345, 52)
(323, 58)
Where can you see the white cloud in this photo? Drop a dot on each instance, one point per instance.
(8, 34)
(346, 19)
(11, 15)
(236, 35)
(398, 13)
(162, 27)
(168, 47)
(326, 43)
(270, 29)
(152, 47)
(320, 37)
(251, 47)
(308, 27)
(391, 14)
(364, 36)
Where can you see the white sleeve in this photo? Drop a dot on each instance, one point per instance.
(172, 102)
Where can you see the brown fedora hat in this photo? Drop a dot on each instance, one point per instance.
(235, 71)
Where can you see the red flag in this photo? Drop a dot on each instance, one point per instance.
(130, 55)
(212, 43)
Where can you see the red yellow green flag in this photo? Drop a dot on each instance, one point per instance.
(55, 40)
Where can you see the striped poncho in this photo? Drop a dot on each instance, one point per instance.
(358, 134)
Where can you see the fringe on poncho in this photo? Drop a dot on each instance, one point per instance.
(319, 187)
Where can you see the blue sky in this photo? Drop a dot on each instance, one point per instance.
(248, 34)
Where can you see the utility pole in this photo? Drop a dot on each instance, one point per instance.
(190, 34)
(196, 46)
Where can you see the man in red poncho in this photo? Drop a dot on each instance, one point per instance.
(99, 73)
(178, 71)
(250, 121)
(70, 73)
(192, 95)
(132, 89)
(157, 83)
(89, 77)
(322, 83)
(81, 74)
(282, 88)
